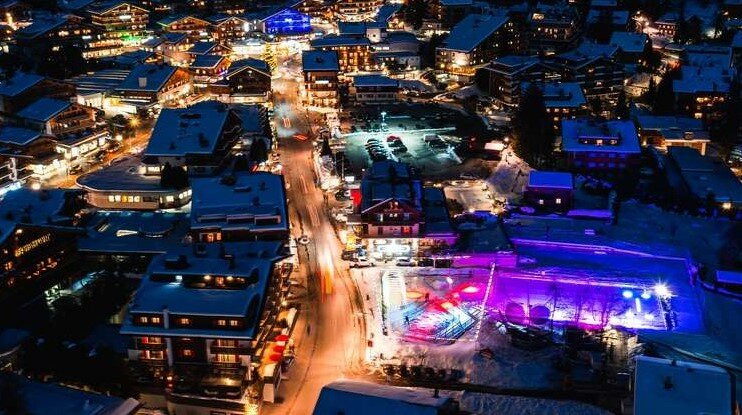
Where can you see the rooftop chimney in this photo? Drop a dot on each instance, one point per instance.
(142, 82)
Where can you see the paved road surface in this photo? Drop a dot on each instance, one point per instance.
(334, 345)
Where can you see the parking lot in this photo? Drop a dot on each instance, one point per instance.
(429, 151)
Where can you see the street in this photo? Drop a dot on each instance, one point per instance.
(330, 335)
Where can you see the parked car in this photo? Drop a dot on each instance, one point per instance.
(362, 263)
(405, 262)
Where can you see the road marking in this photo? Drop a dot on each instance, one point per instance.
(303, 184)
(313, 216)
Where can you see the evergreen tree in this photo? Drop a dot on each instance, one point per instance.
(269, 56)
(622, 106)
(534, 135)
(664, 102)
(258, 151)
(730, 126)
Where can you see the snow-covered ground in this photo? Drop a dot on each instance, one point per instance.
(480, 403)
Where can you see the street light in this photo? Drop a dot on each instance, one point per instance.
(383, 117)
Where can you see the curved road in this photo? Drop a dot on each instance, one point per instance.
(334, 344)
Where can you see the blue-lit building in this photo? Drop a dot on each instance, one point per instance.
(287, 22)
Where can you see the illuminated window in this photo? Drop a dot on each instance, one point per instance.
(234, 323)
(144, 319)
(187, 353)
(110, 198)
(226, 358)
(558, 201)
(221, 322)
(156, 320)
(185, 321)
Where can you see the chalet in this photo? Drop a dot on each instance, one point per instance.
(122, 23)
(449, 12)
(356, 9)
(504, 76)
(549, 191)
(207, 69)
(14, 13)
(664, 131)
(320, 78)
(473, 42)
(196, 28)
(246, 80)
(228, 28)
(553, 27)
(667, 24)
(51, 33)
(173, 47)
(701, 91)
(591, 144)
(208, 48)
(198, 138)
(563, 100)
(38, 235)
(201, 320)
(150, 85)
(353, 52)
(28, 156)
(23, 88)
(633, 48)
(55, 117)
(374, 89)
(594, 67)
(392, 203)
(239, 207)
(704, 178)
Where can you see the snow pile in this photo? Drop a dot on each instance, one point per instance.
(512, 405)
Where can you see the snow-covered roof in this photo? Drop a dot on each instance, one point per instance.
(255, 202)
(339, 40)
(584, 134)
(99, 81)
(472, 31)
(550, 179)
(617, 17)
(366, 398)
(560, 94)
(386, 12)
(105, 6)
(18, 136)
(704, 175)
(703, 79)
(253, 118)
(374, 80)
(127, 232)
(20, 82)
(42, 25)
(203, 48)
(708, 55)
(317, 60)
(43, 109)
(453, 3)
(663, 386)
(513, 63)
(630, 42)
(122, 176)
(192, 130)
(588, 52)
(252, 63)
(207, 61)
(252, 261)
(25, 206)
(665, 123)
(153, 78)
(48, 398)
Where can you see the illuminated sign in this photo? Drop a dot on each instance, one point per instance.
(24, 249)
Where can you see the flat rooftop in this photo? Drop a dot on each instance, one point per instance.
(254, 202)
(123, 175)
(317, 60)
(192, 130)
(579, 134)
(127, 232)
(472, 31)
